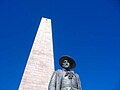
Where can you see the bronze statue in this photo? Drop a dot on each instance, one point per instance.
(65, 79)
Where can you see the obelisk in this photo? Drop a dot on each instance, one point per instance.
(40, 64)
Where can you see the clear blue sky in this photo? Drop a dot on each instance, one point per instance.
(87, 30)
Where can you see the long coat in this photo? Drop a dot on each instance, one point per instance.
(56, 79)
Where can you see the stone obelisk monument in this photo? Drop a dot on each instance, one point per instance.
(40, 64)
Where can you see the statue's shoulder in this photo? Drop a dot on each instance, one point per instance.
(76, 74)
(59, 71)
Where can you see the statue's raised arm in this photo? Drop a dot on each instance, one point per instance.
(65, 79)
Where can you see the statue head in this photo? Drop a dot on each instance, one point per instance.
(67, 62)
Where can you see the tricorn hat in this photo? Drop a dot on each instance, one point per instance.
(70, 60)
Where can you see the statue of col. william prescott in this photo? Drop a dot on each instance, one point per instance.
(65, 79)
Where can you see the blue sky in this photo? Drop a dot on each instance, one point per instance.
(87, 30)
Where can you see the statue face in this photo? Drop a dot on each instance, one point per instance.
(65, 64)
